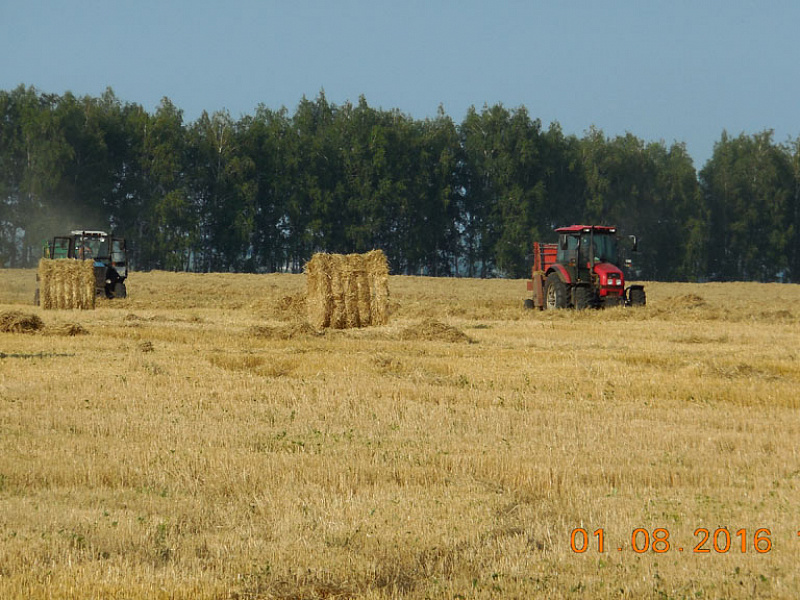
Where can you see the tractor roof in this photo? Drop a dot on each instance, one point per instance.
(89, 233)
(601, 229)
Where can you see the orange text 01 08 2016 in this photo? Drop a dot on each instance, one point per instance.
(705, 541)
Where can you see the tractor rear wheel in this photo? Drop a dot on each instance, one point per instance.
(636, 296)
(555, 292)
(583, 297)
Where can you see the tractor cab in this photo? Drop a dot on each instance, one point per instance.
(590, 255)
(582, 246)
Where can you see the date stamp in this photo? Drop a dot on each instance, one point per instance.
(705, 541)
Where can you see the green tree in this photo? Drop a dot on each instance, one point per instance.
(314, 216)
(440, 163)
(166, 219)
(647, 190)
(675, 227)
(563, 179)
(46, 155)
(224, 190)
(506, 187)
(11, 169)
(748, 185)
(88, 175)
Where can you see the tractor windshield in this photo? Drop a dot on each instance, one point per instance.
(604, 247)
(92, 248)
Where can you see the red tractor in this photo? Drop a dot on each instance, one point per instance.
(581, 271)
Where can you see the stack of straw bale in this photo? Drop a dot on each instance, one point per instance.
(66, 283)
(345, 291)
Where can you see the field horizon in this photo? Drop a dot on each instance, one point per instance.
(199, 440)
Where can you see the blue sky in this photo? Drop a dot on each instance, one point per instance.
(673, 70)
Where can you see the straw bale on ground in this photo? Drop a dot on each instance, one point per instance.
(66, 283)
(319, 290)
(378, 268)
(339, 274)
(345, 291)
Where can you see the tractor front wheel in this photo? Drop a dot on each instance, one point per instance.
(636, 296)
(555, 292)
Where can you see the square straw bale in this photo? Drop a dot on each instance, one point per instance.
(346, 291)
(66, 284)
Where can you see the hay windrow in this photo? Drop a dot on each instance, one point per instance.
(67, 329)
(347, 291)
(66, 284)
(18, 322)
(284, 332)
(431, 330)
(686, 301)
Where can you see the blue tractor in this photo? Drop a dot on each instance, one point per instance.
(108, 253)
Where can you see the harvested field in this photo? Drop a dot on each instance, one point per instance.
(284, 332)
(204, 442)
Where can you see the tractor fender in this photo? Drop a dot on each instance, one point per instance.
(563, 274)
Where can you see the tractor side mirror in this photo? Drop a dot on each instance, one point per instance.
(634, 243)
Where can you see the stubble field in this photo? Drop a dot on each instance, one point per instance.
(196, 440)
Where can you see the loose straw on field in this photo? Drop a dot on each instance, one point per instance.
(17, 322)
(346, 291)
(66, 283)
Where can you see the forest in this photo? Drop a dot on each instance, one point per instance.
(263, 192)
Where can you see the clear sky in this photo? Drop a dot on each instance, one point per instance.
(678, 70)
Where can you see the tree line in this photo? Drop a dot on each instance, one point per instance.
(262, 193)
